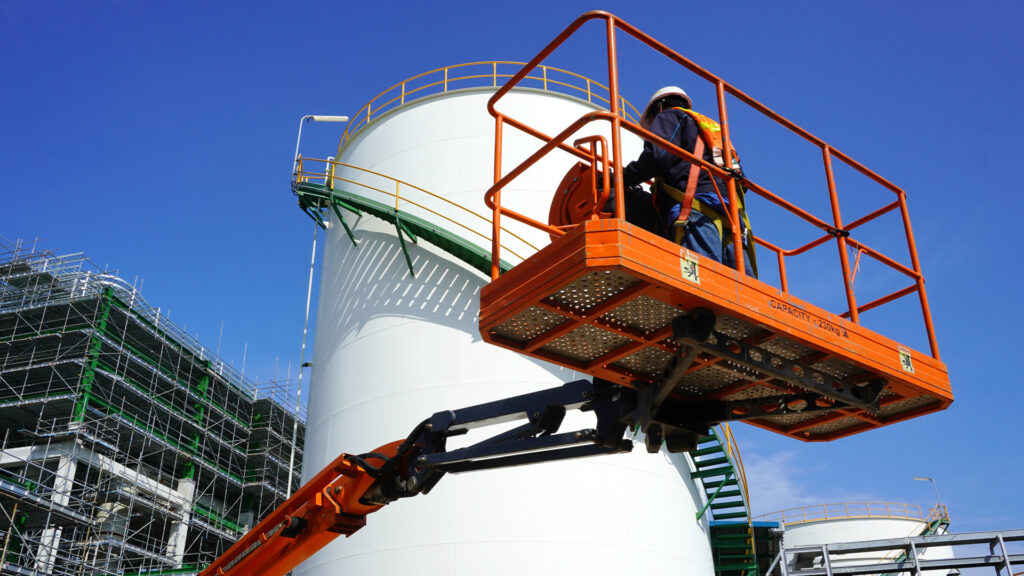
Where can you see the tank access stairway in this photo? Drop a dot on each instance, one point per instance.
(831, 562)
(936, 525)
(720, 477)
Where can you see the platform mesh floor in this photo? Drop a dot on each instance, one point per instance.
(638, 327)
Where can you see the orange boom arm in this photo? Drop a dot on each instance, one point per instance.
(325, 507)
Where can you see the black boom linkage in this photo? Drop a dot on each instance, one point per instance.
(660, 410)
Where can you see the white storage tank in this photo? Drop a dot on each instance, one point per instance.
(391, 349)
(813, 526)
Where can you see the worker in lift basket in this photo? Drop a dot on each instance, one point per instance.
(687, 202)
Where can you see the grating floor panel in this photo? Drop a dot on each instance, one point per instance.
(644, 314)
(591, 289)
(530, 324)
(585, 343)
(648, 361)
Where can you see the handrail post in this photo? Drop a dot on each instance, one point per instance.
(783, 280)
(925, 309)
(844, 258)
(496, 217)
(734, 209)
(445, 80)
(616, 120)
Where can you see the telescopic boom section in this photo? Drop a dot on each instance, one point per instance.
(321, 510)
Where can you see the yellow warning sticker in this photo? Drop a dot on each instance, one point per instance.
(689, 266)
(905, 361)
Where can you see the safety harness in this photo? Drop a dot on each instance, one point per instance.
(711, 132)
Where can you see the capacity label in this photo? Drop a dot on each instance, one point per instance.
(804, 316)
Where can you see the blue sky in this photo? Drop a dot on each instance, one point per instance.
(157, 138)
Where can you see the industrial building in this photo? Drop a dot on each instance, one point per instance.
(126, 446)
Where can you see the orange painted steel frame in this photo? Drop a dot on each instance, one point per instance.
(617, 245)
(833, 230)
(329, 504)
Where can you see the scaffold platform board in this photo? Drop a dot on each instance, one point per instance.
(602, 298)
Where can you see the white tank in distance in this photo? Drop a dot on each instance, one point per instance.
(858, 526)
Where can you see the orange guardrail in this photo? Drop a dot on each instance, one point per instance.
(845, 510)
(833, 229)
(479, 74)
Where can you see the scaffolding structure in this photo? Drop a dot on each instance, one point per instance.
(126, 446)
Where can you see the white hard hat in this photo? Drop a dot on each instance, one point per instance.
(661, 93)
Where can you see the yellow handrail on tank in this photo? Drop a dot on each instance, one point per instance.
(329, 177)
(733, 451)
(595, 91)
(846, 510)
(939, 512)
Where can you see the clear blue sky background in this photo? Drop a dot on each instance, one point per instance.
(157, 137)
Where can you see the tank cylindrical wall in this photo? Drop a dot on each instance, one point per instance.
(857, 530)
(392, 349)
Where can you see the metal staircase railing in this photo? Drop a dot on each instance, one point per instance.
(720, 474)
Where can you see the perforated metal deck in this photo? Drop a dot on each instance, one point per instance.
(602, 298)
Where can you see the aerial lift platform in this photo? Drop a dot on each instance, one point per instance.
(677, 343)
(602, 297)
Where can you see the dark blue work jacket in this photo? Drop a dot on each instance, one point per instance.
(680, 129)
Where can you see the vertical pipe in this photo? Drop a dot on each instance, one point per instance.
(837, 222)
(7, 540)
(302, 360)
(925, 309)
(1005, 555)
(734, 204)
(782, 273)
(784, 562)
(496, 216)
(613, 101)
(912, 549)
(296, 164)
(826, 559)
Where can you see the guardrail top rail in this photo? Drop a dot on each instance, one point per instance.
(481, 74)
(833, 229)
(845, 510)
